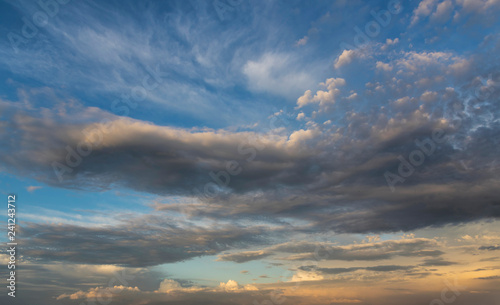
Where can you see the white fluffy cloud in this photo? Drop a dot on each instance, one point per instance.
(276, 73)
(322, 97)
(345, 58)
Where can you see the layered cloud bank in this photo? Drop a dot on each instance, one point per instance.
(419, 151)
(183, 159)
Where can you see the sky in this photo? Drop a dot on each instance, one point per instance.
(251, 152)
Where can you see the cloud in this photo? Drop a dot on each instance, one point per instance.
(489, 248)
(159, 241)
(169, 292)
(418, 247)
(276, 73)
(94, 293)
(334, 271)
(330, 176)
(345, 58)
(302, 41)
(344, 165)
(424, 9)
(302, 276)
(389, 42)
(383, 66)
(243, 257)
(167, 286)
(32, 188)
(233, 286)
(443, 12)
(323, 98)
(437, 262)
(493, 277)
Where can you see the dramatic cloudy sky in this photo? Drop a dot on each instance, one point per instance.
(252, 152)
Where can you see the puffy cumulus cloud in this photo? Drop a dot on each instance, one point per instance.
(429, 96)
(441, 11)
(479, 6)
(229, 286)
(371, 251)
(383, 66)
(389, 42)
(98, 292)
(169, 290)
(419, 61)
(169, 286)
(301, 276)
(233, 286)
(323, 98)
(424, 9)
(245, 295)
(4, 258)
(345, 58)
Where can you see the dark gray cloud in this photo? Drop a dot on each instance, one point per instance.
(489, 248)
(382, 268)
(437, 262)
(243, 257)
(338, 186)
(419, 247)
(493, 277)
(138, 242)
(332, 175)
